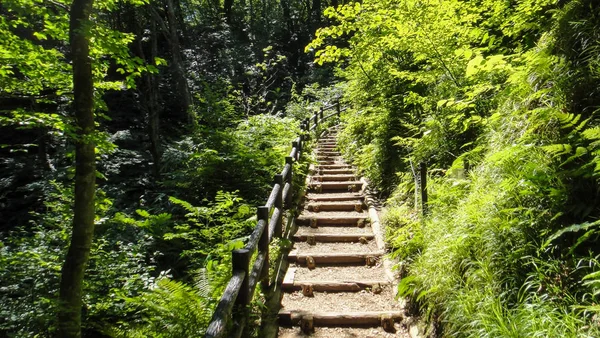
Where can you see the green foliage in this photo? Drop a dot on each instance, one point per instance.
(120, 265)
(404, 233)
(168, 309)
(33, 36)
(243, 158)
(222, 220)
(499, 99)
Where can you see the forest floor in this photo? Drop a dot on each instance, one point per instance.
(338, 283)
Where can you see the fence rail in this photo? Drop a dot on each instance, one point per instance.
(240, 289)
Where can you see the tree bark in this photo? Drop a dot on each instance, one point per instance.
(177, 62)
(149, 92)
(70, 297)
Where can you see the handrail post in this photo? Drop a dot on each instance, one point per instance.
(321, 114)
(240, 260)
(288, 179)
(297, 146)
(262, 214)
(423, 176)
(338, 109)
(279, 204)
(316, 116)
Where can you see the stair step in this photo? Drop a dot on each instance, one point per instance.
(330, 197)
(342, 332)
(367, 318)
(350, 231)
(368, 258)
(328, 153)
(333, 238)
(322, 157)
(337, 186)
(335, 206)
(328, 158)
(337, 172)
(332, 219)
(332, 166)
(339, 178)
(333, 286)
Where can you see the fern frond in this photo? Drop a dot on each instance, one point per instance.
(570, 229)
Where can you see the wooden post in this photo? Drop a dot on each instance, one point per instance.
(262, 214)
(339, 109)
(423, 174)
(295, 145)
(300, 144)
(321, 114)
(240, 260)
(279, 204)
(306, 124)
(288, 179)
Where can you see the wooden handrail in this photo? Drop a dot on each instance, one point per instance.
(240, 289)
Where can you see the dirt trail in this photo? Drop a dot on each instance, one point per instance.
(336, 285)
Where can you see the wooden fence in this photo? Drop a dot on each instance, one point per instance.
(240, 289)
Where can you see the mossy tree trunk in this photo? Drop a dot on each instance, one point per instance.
(69, 315)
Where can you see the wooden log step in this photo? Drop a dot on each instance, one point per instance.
(367, 318)
(335, 206)
(351, 231)
(339, 178)
(333, 286)
(339, 332)
(330, 197)
(328, 153)
(328, 158)
(351, 186)
(332, 166)
(333, 238)
(337, 172)
(366, 258)
(325, 219)
(331, 162)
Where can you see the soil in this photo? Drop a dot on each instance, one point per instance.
(342, 301)
(305, 248)
(344, 195)
(341, 274)
(344, 332)
(305, 230)
(333, 214)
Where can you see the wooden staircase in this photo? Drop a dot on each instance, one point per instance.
(336, 285)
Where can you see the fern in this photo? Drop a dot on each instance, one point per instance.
(589, 228)
(169, 309)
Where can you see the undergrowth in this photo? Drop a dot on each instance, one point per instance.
(500, 100)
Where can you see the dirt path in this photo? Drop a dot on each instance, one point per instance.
(336, 285)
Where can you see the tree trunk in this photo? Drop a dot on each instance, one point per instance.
(177, 62)
(149, 92)
(153, 111)
(69, 313)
